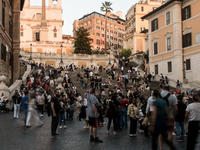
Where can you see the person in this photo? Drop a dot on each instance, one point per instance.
(193, 116)
(133, 115)
(41, 103)
(25, 106)
(92, 81)
(159, 119)
(85, 80)
(123, 117)
(86, 111)
(180, 117)
(93, 115)
(81, 81)
(172, 102)
(178, 84)
(55, 106)
(32, 112)
(17, 102)
(113, 106)
(62, 112)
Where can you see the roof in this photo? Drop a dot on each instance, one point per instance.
(85, 16)
(159, 8)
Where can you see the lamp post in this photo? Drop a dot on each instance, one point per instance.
(184, 74)
(31, 53)
(61, 61)
(20, 76)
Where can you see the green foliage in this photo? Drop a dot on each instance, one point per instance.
(101, 52)
(108, 52)
(82, 42)
(106, 7)
(96, 52)
(125, 52)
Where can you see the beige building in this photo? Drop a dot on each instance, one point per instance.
(9, 38)
(135, 27)
(41, 29)
(95, 23)
(174, 41)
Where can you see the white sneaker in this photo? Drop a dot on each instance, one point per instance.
(17, 117)
(131, 135)
(107, 132)
(104, 123)
(60, 127)
(173, 133)
(114, 133)
(85, 127)
(64, 127)
(41, 115)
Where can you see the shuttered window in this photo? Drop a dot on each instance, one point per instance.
(187, 40)
(3, 52)
(169, 66)
(156, 69)
(3, 16)
(186, 13)
(155, 48)
(154, 25)
(188, 65)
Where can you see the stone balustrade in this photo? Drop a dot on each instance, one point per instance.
(9, 91)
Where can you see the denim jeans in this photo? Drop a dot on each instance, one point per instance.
(123, 118)
(62, 117)
(85, 85)
(25, 115)
(81, 84)
(180, 133)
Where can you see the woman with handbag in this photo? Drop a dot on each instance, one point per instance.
(133, 115)
(112, 114)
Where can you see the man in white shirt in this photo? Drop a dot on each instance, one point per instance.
(91, 73)
(122, 69)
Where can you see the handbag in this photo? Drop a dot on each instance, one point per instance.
(145, 121)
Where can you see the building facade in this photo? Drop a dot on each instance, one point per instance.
(137, 28)
(41, 28)
(9, 38)
(174, 41)
(95, 23)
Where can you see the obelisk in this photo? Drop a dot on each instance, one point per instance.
(43, 27)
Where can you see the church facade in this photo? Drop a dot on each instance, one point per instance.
(41, 29)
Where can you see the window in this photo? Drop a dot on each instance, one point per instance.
(188, 65)
(10, 29)
(102, 35)
(119, 29)
(120, 35)
(98, 27)
(120, 40)
(154, 25)
(115, 46)
(129, 24)
(55, 34)
(156, 69)
(108, 36)
(155, 48)
(102, 29)
(142, 8)
(3, 16)
(169, 45)
(98, 34)
(111, 31)
(37, 36)
(168, 18)
(115, 39)
(169, 66)
(107, 30)
(187, 40)
(111, 37)
(11, 59)
(142, 29)
(21, 33)
(115, 33)
(186, 13)
(134, 9)
(98, 42)
(3, 52)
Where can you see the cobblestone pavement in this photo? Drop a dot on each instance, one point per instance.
(14, 136)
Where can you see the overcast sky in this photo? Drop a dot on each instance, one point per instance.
(75, 9)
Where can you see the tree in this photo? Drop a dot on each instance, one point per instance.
(106, 8)
(125, 53)
(82, 41)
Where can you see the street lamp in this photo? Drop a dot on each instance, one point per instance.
(31, 53)
(61, 61)
(20, 76)
(184, 74)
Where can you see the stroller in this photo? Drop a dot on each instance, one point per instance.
(4, 108)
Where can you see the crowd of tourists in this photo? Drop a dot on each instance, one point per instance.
(112, 92)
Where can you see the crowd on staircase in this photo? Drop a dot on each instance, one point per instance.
(117, 92)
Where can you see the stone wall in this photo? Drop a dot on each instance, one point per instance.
(77, 59)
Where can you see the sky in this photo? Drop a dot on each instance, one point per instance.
(75, 9)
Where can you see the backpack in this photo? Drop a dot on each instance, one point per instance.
(166, 98)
